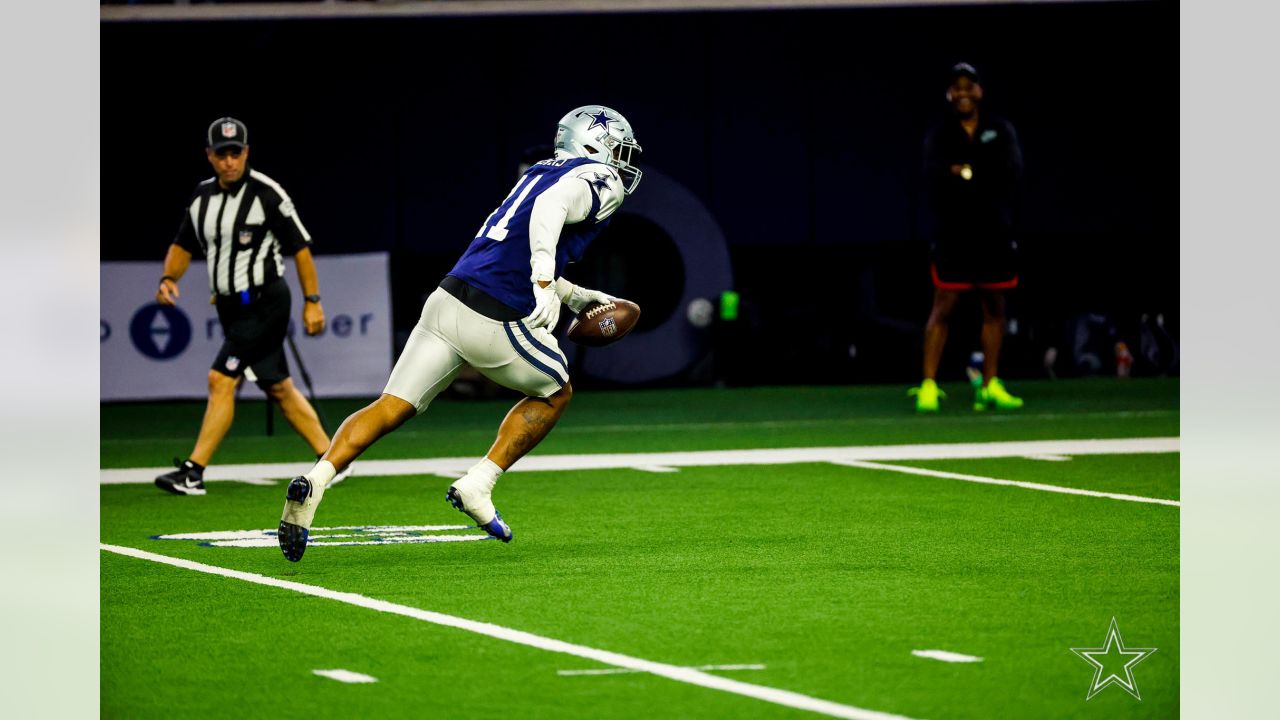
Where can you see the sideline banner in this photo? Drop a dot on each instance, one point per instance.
(153, 352)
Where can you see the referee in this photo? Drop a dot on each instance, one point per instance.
(242, 222)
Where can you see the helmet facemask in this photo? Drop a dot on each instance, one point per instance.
(624, 155)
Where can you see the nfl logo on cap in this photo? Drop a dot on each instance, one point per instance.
(226, 131)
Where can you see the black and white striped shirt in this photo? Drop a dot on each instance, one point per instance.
(242, 231)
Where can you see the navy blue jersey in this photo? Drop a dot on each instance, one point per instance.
(498, 260)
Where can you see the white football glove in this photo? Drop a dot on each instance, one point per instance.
(577, 297)
(546, 307)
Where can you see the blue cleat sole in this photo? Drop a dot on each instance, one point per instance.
(293, 541)
(293, 538)
(498, 528)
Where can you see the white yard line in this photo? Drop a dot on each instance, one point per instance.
(946, 656)
(346, 676)
(623, 671)
(673, 672)
(857, 421)
(1013, 483)
(456, 467)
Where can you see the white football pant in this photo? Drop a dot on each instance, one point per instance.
(449, 334)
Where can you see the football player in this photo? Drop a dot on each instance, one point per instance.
(495, 311)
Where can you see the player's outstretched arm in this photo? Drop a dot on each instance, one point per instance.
(551, 212)
(570, 201)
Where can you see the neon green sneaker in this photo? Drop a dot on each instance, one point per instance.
(994, 395)
(927, 396)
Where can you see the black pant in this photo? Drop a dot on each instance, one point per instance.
(255, 333)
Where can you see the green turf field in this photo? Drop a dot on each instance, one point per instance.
(823, 578)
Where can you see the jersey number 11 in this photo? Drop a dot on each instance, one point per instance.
(498, 230)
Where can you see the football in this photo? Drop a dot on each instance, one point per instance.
(599, 325)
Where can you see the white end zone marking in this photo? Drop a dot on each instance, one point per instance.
(604, 657)
(655, 468)
(1049, 458)
(946, 656)
(312, 542)
(346, 676)
(363, 535)
(454, 468)
(622, 671)
(270, 533)
(1012, 483)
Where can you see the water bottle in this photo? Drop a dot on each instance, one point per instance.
(974, 370)
(1124, 360)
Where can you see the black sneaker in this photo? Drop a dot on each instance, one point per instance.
(186, 480)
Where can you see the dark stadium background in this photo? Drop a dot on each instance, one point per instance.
(799, 130)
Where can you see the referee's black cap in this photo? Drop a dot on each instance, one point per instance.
(963, 69)
(227, 132)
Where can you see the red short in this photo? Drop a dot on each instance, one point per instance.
(953, 282)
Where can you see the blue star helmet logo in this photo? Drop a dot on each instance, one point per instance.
(600, 119)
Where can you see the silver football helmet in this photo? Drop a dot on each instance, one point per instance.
(602, 134)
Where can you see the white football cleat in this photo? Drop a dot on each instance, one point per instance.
(474, 496)
(300, 503)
